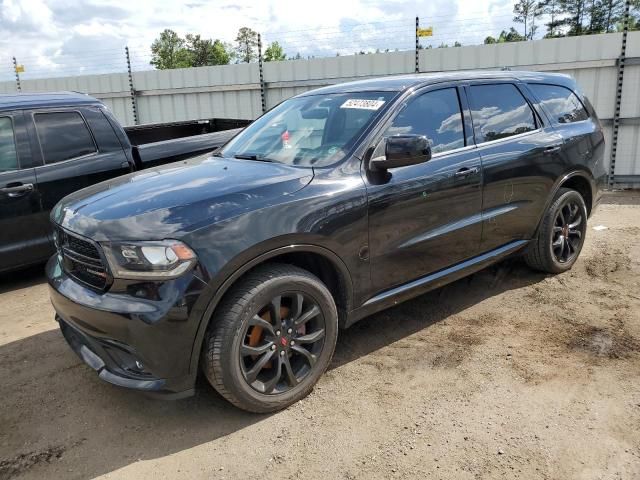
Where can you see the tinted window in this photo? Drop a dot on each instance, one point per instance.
(434, 114)
(63, 135)
(561, 103)
(499, 111)
(8, 155)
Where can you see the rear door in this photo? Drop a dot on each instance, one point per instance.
(426, 217)
(22, 238)
(77, 148)
(519, 153)
(583, 140)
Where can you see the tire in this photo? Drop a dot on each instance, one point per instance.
(246, 313)
(562, 229)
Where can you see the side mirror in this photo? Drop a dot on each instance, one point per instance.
(403, 150)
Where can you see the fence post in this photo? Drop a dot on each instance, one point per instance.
(15, 70)
(262, 85)
(132, 92)
(620, 78)
(417, 45)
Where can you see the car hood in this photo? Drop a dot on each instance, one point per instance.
(174, 199)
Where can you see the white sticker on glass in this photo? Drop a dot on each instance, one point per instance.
(362, 104)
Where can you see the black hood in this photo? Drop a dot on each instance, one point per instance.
(169, 201)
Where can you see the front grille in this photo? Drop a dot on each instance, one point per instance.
(81, 259)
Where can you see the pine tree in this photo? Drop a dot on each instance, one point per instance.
(526, 12)
(576, 11)
(552, 8)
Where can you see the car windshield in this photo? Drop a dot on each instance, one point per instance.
(314, 130)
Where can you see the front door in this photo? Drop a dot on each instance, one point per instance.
(22, 238)
(426, 217)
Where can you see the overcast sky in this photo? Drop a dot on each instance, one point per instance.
(64, 37)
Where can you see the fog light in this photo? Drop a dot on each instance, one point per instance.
(139, 365)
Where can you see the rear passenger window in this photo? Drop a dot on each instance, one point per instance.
(435, 114)
(560, 102)
(8, 155)
(499, 111)
(63, 136)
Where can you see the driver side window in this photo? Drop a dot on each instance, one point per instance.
(435, 114)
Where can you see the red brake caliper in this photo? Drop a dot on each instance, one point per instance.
(255, 336)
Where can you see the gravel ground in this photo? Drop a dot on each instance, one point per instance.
(505, 374)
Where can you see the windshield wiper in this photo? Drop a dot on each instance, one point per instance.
(252, 156)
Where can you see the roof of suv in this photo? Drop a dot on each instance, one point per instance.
(397, 83)
(18, 101)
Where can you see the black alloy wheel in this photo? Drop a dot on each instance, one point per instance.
(281, 343)
(560, 235)
(271, 338)
(568, 230)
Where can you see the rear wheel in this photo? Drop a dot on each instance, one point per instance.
(271, 338)
(561, 234)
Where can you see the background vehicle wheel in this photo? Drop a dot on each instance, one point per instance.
(271, 338)
(561, 234)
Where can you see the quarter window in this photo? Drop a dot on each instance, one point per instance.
(560, 102)
(8, 155)
(435, 114)
(63, 136)
(499, 111)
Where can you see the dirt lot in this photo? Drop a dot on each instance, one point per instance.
(506, 374)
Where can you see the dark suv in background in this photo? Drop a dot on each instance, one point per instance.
(334, 205)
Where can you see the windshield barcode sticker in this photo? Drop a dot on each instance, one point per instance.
(363, 104)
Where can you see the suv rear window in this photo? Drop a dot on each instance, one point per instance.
(499, 111)
(63, 136)
(8, 155)
(559, 102)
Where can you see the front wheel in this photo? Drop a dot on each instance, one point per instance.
(561, 234)
(271, 338)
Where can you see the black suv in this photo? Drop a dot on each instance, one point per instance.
(334, 205)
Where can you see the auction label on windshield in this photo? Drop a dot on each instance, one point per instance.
(363, 104)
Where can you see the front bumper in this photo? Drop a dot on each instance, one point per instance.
(140, 343)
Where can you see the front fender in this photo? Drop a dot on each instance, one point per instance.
(223, 282)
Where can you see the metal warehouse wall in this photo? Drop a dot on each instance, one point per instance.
(233, 91)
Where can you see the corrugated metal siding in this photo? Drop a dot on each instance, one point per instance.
(627, 161)
(233, 91)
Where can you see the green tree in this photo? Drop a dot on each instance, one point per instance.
(274, 53)
(511, 36)
(526, 12)
(634, 20)
(490, 40)
(612, 13)
(576, 11)
(204, 52)
(246, 45)
(168, 51)
(553, 10)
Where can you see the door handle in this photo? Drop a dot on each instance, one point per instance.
(552, 149)
(465, 172)
(17, 190)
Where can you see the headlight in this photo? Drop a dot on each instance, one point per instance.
(149, 260)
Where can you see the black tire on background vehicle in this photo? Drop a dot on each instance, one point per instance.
(561, 234)
(271, 338)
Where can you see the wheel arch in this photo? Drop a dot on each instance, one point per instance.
(581, 183)
(580, 180)
(320, 261)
